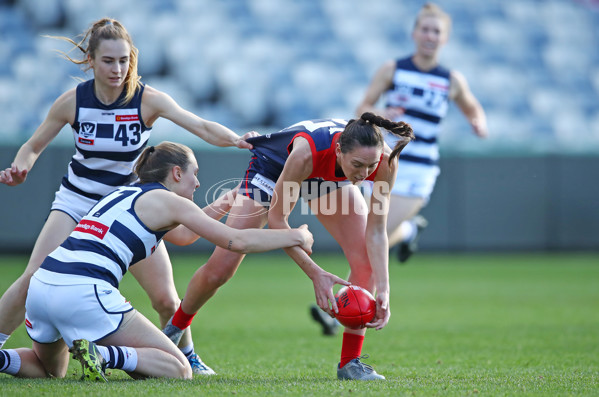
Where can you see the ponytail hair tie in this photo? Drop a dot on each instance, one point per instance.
(151, 149)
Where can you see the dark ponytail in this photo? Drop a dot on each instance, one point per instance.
(365, 132)
(400, 129)
(155, 162)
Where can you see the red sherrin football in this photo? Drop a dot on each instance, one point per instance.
(356, 306)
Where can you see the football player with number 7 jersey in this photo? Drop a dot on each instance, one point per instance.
(111, 116)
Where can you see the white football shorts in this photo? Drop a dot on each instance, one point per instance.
(74, 205)
(70, 312)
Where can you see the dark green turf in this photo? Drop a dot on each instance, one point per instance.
(495, 325)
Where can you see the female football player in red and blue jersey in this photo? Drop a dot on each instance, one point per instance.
(322, 161)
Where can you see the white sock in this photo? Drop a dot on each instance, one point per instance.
(3, 339)
(187, 350)
(10, 361)
(408, 230)
(119, 357)
(104, 352)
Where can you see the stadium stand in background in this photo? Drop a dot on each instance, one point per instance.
(265, 64)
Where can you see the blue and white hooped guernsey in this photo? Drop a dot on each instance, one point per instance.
(424, 97)
(108, 141)
(108, 240)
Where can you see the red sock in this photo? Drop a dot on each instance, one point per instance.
(181, 319)
(351, 347)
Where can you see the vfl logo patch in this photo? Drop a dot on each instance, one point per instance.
(88, 129)
(87, 133)
(92, 227)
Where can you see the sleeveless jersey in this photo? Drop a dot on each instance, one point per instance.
(108, 140)
(271, 150)
(108, 240)
(424, 96)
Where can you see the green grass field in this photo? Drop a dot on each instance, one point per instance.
(500, 325)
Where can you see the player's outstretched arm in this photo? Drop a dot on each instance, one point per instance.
(377, 241)
(167, 210)
(181, 235)
(61, 113)
(222, 205)
(461, 94)
(159, 104)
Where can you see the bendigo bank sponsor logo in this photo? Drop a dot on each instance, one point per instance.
(127, 117)
(92, 227)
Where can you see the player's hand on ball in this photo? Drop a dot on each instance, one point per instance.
(382, 311)
(323, 289)
(357, 306)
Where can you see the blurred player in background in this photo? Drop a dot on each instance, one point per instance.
(111, 116)
(417, 90)
(322, 161)
(81, 277)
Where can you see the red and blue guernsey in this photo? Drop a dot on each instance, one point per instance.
(271, 150)
(108, 240)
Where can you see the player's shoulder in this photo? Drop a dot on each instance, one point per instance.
(68, 96)
(456, 75)
(457, 83)
(390, 64)
(64, 106)
(153, 95)
(159, 196)
(154, 102)
(151, 92)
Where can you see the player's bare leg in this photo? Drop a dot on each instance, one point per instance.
(222, 264)
(156, 355)
(401, 209)
(348, 227)
(155, 275)
(220, 267)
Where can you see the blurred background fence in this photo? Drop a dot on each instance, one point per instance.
(266, 64)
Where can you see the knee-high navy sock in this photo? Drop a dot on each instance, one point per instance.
(119, 357)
